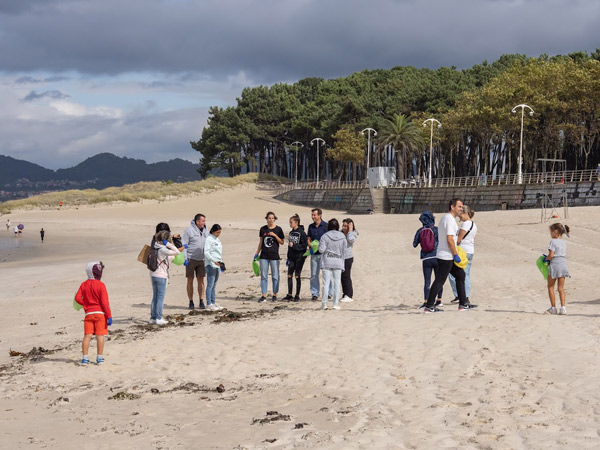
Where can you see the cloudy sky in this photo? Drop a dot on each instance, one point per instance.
(136, 77)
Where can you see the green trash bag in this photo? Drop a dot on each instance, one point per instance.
(77, 306)
(542, 266)
(179, 259)
(256, 267)
(314, 245)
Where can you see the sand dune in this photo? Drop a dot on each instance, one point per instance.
(377, 374)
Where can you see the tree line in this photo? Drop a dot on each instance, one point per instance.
(479, 134)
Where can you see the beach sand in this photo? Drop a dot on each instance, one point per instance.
(376, 375)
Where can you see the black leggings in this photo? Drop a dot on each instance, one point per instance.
(294, 270)
(347, 289)
(444, 269)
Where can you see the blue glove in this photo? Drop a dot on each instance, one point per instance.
(287, 262)
(185, 246)
(185, 263)
(545, 260)
(164, 242)
(256, 256)
(457, 259)
(311, 251)
(109, 322)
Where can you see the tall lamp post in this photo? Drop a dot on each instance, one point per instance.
(311, 143)
(296, 143)
(514, 110)
(439, 125)
(369, 131)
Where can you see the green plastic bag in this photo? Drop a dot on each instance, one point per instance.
(77, 306)
(542, 266)
(314, 245)
(256, 267)
(179, 259)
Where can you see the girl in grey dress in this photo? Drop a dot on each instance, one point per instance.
(557, 269)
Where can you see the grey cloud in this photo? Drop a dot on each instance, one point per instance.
(26, 79)
(54, 95)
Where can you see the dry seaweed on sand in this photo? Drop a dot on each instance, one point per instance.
(272, 416)
(124, 396)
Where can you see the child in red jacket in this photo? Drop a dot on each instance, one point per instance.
(93, 297)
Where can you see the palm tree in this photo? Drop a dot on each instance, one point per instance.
(402, 134)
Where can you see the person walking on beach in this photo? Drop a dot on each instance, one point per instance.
(159, 278)
(16, 230)
(7, 224)
(351, 236)
(194, 237)
(213, 254)
(332, 247)
(298, 242)
(557, 269)
(315, 231)
(270, 238)
(42, 234)
(427, 236)
(466, 239)
(92, 295)
(446, 257)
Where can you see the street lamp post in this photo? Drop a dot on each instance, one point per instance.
(514, 110)
(311, 143)
(296, 143)
(369, 130)
(439, 125)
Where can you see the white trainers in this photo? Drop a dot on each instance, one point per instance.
(152, 322)
(218, 307)
(562, 311)
(212, 307)
(336, 307)
(346, 299)
(550, 311)
(324, 306)
(161, 321)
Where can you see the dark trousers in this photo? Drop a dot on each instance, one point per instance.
(294, 270)
(347, 289)
(446, 268)
(430, 265)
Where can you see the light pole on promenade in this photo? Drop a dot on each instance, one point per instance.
(514, 110)
(439, 125)
(311, 143)
(296, 143)
(369, 130)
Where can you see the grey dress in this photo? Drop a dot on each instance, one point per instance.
(558, 264)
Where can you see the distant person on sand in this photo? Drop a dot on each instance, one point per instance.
(160, 277)
(213, 254)
(270, 238)
(16, 231)
(351, 236)
(446, 256)
(7, 224)
(298, 242)
(42, 234)
(466, 239)
(92, 295)
(427, 237)
(195, 237)
(557, 269)
(332, 247)
(315, 230)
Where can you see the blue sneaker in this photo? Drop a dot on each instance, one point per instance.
(99, 360)
(85, 361)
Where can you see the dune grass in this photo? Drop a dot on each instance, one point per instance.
(147, 190)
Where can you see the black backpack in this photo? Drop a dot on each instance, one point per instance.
(153, 261)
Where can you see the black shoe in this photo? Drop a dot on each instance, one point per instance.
(330, 297)
(191, 306)
(296, 298)
(431, 309)
(314, 298)
(288, 298)
(201, 305)
(262, 299)
(423, 305)
(465, 306)
(456, 300)
(439, 303)
(274, 298)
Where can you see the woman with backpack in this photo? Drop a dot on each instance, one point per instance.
(161, 255)
(466, 239)
(427, 237)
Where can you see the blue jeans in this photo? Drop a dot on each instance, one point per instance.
(331, 281)
(467, 278)
(430, 265)
(159, 289)
(315, 269)
(212, 276)
(264, 275)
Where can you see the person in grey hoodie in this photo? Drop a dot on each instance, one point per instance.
(332, 246)
(351, 236)
(195, 237)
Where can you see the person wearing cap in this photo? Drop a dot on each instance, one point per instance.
(92, 295)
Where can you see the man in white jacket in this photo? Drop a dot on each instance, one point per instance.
(194, 237)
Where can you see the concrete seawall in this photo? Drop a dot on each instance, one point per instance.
(415, 200)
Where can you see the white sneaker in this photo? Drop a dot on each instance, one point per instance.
(212, 307)
(550, 311)
(336, 307)
(323, 306)
(152, 322)
(346, 299)
(562, 311)
(218, 307)
(161, 322)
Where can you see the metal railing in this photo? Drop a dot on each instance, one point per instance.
(567, 176)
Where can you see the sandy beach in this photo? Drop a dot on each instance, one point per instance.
(377, 374)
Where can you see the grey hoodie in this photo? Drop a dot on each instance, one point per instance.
(333, 246)
(351, 238)
(195, 240)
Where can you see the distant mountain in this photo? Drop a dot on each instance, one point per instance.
(21, 178)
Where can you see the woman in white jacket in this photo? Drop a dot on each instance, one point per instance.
(213, 257)
(160, 277)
